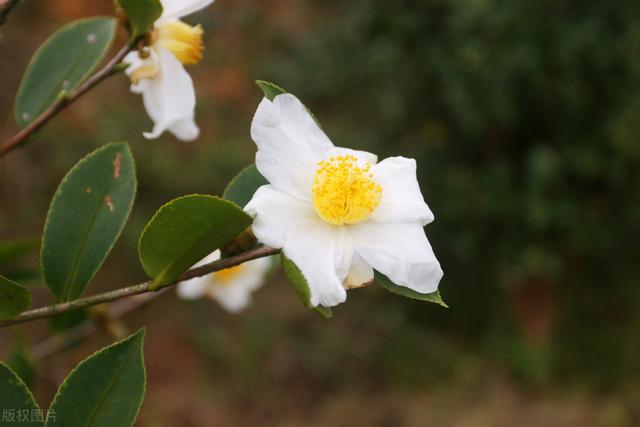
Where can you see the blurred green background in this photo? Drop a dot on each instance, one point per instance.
(524, 118)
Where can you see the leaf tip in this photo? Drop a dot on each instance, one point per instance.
(271, 90)
(441, 302)
(140, 333)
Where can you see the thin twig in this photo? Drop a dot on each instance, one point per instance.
(5, 8)
(61, 103)
(142, 288)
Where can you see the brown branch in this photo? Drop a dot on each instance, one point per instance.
(142, 288)
(111, 68)
(5, 8)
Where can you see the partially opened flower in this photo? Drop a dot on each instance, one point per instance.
(232, 288)
(157, 70)
(335, 212)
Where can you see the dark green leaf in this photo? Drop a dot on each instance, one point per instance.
(186, 230)
(106, 389)
(11, 254)
(141, 14)
(13, 250)
(61, 64)
(23, 366)
(16, 401)
(25, 276)
(14, 299)
(241, 188)
(85, 218)
(301, 286)
(270, 90)
(409, 293)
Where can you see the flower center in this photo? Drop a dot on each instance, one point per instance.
(181, 39)
(344, 191)
(143, 72)
(226, 276)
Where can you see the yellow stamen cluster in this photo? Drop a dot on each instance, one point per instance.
(181, 39)
(143, 72)
(226, 276)
(344, 191)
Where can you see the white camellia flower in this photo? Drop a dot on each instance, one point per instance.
(335, 212)
(157, 71)
(232, 287)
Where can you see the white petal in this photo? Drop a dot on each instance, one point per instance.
(186, 129)
(236, 295)
(169, 98)
(252, 275)
(194, 288)
(362, 155)
(274, 212)
(360, 273)
(213, 256)
(290, 144)
(135, 61)
(254, 272)
(400, 251)
(323, 254)
(139, 88)
(401, 196)
(174, 9)
(232, 298)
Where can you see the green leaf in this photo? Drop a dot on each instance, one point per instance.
(13, 250)
(14, 299)
(301, 286)
(61, 64)
(23, 366)
(85, 218)
(241, 188)
(16, 401)
(433, 297)
(142, 14)
(106, 389)
(270, 90)
(11, 253)
(27, 276)
(186, 230)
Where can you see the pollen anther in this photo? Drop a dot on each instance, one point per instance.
(143, 72)
(181, 39)
(344, 191)
(226, 276)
